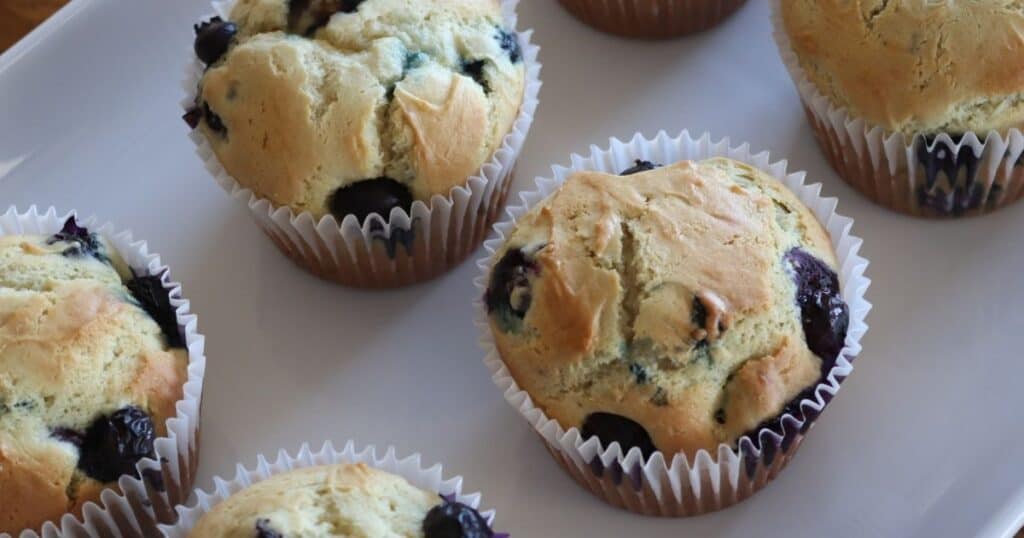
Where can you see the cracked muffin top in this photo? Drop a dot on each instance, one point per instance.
(671, 308)
(344, 500)
(915, 66)
(357, 106)
(90, 371)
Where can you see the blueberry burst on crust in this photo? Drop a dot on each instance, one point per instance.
(452, 519)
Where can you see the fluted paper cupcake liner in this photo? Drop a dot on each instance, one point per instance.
(681, 484)
(135, 510)
(652, 19)
(410, 468)
(386, 251)
(939, 175)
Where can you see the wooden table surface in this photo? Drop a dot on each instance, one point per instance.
(19, 17)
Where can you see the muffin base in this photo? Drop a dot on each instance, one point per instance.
(889, 168)
(664, 484)
(652, 19)
(133, 507)
(374, 262)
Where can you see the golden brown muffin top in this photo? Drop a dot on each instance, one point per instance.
(915, 66)
(668, 297)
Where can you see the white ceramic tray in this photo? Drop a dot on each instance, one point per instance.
(924, 439)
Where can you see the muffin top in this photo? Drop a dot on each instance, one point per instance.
(343, 500)
(357, 106)
(672, 309)
(915, 66)
(87, 377)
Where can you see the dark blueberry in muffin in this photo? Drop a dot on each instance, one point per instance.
(452, 519)
(475, 70)
(67, 435)
(639, 166)
(305, 17)
(114, 444)
(508, 293)
(640, 374)
(509, 41)
(193, 116)
(82, 242)
(214, 121)
(945, 189)
(155, 299)
(611, 428)
(414, 60)
(369, 196)
(213, 38)
(263, 529)
(823, 313)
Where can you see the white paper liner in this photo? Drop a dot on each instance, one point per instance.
(132, 512)
(685, 485)
(652, 19)
(410, 468)
(355, 254)
(883, 165)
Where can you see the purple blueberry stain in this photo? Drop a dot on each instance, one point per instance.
(398, 237)
(153, 297)
(961, 191)
(264, 530)
(213, 38)
(611, 428)
(638, 167)
(452, 519)
(363, 198)
(509, 42)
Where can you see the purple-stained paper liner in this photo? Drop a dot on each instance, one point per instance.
(410, 468)
(139, 506)
(683, 484)
(910, 174)
(402, 248)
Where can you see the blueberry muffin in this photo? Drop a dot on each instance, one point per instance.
(91, 365)
(339, 500)
(672, 308)
(652, 19)
(918, 69)
(356, 106)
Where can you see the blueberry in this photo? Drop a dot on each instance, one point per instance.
(263, 529)
(114, 444)
(639, 166)
(305, 17)
(611, 428)
(823, 312)
(83, 243)
(698, 313)
(193, 116)
(452, 519)
(957, 195)
(508, 293)
(509, 41)
(475, 70)
(369, 196)
(155, 299)
(640, 374)
(213, 38)
(214, 121)
(67, 435)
